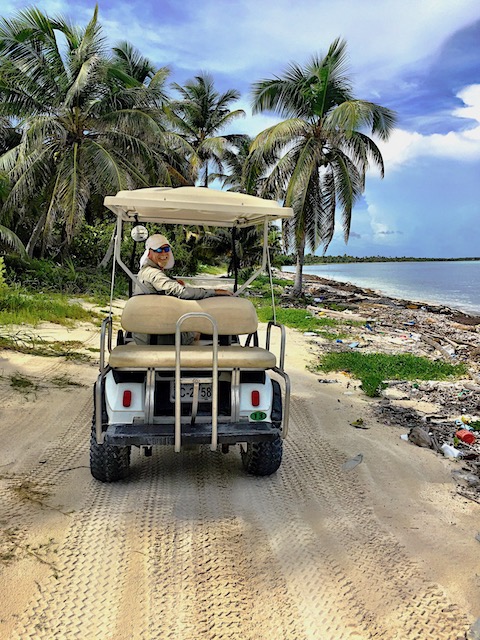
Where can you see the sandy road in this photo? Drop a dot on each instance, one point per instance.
(191, 548)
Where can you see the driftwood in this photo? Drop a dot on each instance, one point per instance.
(436, 346)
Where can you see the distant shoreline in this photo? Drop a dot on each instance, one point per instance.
(352, 260)
(456, 314)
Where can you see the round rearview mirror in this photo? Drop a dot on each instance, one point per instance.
(139, 233)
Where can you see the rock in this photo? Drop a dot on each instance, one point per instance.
(420, 437)
(395, 394)
(466, 479)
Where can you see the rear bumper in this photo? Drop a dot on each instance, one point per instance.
(164, 434)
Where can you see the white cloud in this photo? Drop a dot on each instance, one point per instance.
(461, 146)
(261, 36)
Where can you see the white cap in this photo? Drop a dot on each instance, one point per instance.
(155, 242)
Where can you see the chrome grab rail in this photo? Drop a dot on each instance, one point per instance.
(105, 333)
(178, 405)
(286, 404)
(282, 341)
(105, 337)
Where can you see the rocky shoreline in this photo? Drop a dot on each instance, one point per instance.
(389, 325)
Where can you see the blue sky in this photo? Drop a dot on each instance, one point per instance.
(418, 57)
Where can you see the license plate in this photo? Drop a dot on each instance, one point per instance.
(186, 392)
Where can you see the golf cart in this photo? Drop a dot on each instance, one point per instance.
(224, 390)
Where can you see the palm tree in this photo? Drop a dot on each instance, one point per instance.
(318, 157)
(199, 117)
(233, 164)
(8, 239)
(88, 126)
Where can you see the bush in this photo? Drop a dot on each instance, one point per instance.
(45, 275)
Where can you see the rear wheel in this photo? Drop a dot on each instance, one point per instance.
(108, 463)
(262, 458)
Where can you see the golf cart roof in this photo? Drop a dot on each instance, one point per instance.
(194, 205)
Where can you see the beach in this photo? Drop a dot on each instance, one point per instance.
(360, 534)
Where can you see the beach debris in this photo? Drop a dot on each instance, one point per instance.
(449, 451)
(466, 479)
(359, 424)
(404, 437)
(368, 326)
(420, 437)
(352, 463)
(326, 380)
(352, 345)
(465, 436)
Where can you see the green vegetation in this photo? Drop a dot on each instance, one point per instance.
(80, 119)
(26, 385)
(45, 275)
(18, 306)
(316, 159)
(304, 321)
(374, 368)
(37, 346)
(21, 383)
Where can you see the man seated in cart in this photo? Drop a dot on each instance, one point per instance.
(158, 258)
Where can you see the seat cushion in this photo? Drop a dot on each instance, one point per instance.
(155, 314)
(131, 356)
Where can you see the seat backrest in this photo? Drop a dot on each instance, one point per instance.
(157, 314)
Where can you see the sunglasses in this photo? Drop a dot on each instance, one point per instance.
(162, 249)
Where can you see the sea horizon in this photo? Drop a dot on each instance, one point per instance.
(451, 283)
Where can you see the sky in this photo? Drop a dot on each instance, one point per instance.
(420, 58)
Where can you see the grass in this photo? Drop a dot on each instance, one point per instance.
(34, 345)
(304, 321)
(26, 385)
(213, 270)
(17, 306)
(21, 383)
(374, 368)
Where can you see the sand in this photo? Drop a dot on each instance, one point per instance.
(190, 547)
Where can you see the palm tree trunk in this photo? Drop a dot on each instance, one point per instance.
(108, 254)
(298, 284)
(36, 234)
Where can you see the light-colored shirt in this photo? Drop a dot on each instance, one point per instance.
(156, 281)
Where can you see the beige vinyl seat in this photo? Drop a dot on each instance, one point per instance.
(158, 315)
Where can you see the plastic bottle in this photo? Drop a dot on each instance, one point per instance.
(465, 436)
(449, 451)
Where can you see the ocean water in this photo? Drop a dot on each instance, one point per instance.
(453, 284)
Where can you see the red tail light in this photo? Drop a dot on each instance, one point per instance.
(127, 398)
(255, 398)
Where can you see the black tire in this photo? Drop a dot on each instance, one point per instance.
(277, 412)
(262, 458)
(108, 463)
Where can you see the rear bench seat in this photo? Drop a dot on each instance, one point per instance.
(155, 314)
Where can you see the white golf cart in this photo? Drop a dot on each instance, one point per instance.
(218, 392)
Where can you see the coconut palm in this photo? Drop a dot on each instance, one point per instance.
(318, 157)
(8, 239)
(233, 162)
(199, 117)
(88, 126)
